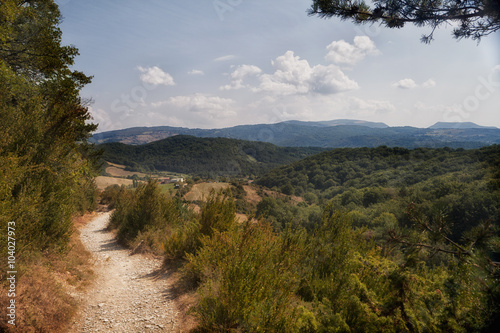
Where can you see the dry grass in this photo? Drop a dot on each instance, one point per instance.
(183, 294)
(48, 286)
(102, 182)
(252, 196)
(202, 191)
(295, 199)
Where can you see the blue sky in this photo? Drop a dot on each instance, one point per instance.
(220, 63)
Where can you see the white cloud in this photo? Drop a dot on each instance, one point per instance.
(411, 84)
(239, 74)
(341, 52)
(196, 72)
(429, 83)
(215, 106)
(296, 76)
(405, 84)
(226, 57)
(156, 76)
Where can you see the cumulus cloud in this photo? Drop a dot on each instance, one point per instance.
(405, 84)
(196, 72)
(239, 74)
(343, 53)
(429, 83)
(155, 76)
(295, 76)
(214, 106)
(411, 84)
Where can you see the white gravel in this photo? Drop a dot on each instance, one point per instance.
(129, 294)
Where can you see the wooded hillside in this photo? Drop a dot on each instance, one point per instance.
(209, 157)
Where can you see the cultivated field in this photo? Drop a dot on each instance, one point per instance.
(102, 181)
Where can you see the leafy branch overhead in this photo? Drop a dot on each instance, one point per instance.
(472, 19)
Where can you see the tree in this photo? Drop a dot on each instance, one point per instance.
(475, 18)
(46, 166)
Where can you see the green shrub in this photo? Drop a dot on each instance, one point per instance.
(248, 279)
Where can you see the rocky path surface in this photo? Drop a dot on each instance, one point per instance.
(130, 293)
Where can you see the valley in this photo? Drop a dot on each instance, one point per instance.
(345, 224)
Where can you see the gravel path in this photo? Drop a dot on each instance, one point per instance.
(130, 294)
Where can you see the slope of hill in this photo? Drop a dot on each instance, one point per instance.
(328, 134)
(204, 156)
(382, 166)
(457, 183)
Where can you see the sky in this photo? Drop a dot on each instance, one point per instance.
(221, 63)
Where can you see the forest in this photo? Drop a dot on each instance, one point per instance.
(206, 157)
(399, 240)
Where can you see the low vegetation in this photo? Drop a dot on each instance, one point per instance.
(382, 251)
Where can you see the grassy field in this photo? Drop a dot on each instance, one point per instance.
(102, 182)
(165, 188)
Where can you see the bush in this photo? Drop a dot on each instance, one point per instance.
(248, 277)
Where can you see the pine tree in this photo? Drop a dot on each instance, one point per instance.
(476, 19)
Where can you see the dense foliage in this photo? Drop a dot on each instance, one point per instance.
(45, 166)
(371, 182)
(208, 157)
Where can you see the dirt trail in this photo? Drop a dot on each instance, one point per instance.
(129, 294)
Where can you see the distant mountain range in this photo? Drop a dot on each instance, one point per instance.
(464, 125)
(327, 134)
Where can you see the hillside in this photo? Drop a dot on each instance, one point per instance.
(328, 134)
(208, 157)
(382, 166)
(396, 231)
(454, 183)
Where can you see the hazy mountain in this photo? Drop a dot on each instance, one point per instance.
(458, 125)
(338, 122)
(328, 134)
